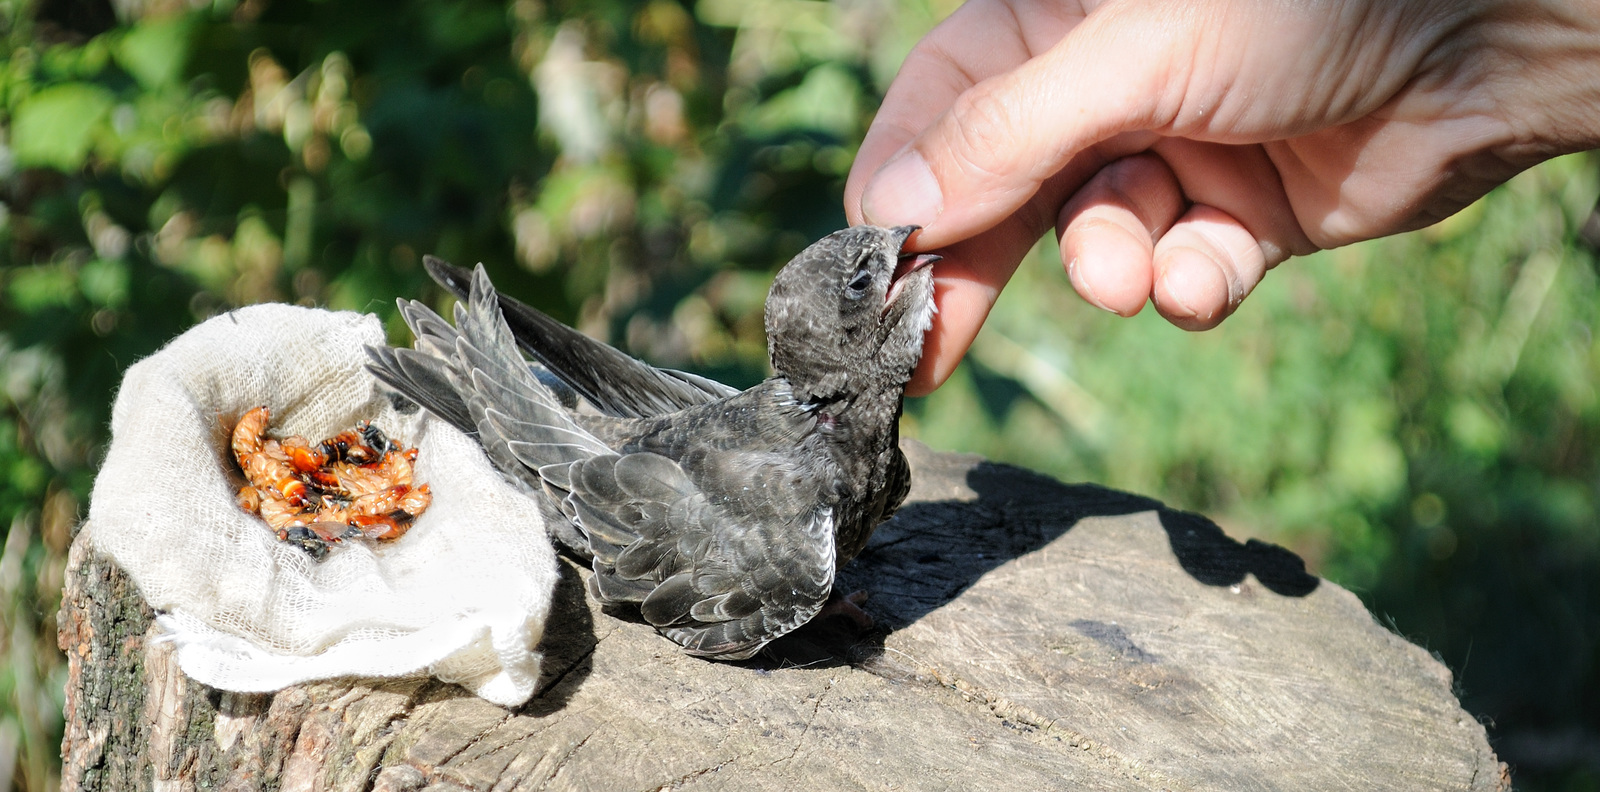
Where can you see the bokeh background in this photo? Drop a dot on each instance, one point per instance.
(1418, 417)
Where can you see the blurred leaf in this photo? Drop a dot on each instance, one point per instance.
(825, 101)
(105, 283)
(1475, 430)
(154, 50)
(1364, 460)
(44, 286)
(55, 127)
(28, 476)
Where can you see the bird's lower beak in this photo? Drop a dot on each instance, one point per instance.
(904, 266)
(911, 263)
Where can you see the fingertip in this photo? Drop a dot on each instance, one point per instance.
(883, 140)
(925, 379)
(852, 211)
(964, 298)
(1207, 264)
(1192, 291)
(941, 353)
(1109, 265)
(966, 283)
(1109, 230)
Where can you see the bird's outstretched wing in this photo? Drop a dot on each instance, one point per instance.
(721, 560)
(615, 383)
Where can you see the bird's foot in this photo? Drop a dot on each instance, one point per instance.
(849, 607)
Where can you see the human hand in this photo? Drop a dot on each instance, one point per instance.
(1182, 149)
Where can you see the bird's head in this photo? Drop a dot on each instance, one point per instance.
(849, 313)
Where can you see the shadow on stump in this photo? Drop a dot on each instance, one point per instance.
(932, 551)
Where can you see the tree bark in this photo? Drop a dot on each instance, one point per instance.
(1029, 635)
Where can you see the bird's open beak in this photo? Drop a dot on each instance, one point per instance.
(906, 265)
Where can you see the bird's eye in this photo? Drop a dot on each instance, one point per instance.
(858, 285)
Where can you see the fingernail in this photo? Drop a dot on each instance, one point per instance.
(1191, 281)
(1174, 284)
(1085, 290)
(903, 192)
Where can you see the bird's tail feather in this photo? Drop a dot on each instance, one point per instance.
(511, 407)
(472, 376)
(611, 381)
(423, 374)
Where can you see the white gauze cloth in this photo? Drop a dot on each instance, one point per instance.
(463, 596)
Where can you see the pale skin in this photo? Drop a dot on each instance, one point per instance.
(1182, 149)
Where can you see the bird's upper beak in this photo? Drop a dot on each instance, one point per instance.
(903, 233)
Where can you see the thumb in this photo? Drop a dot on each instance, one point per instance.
(990, 152)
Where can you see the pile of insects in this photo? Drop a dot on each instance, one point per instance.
(357, 483)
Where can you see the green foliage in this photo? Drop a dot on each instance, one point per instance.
(638, 168)
(1415, 416)
(54, 128)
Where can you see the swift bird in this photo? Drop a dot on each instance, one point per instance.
(721, 514)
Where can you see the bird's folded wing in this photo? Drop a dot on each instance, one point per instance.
(707, 574)
(615, 383)
(721, 561)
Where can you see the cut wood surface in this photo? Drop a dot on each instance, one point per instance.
(1029, 635)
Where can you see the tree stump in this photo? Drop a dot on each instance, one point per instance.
(1029, 635)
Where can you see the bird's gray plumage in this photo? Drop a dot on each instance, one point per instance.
(721, 514)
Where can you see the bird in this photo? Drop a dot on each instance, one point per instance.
(721, 515)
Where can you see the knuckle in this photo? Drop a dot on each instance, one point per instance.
(984, 129)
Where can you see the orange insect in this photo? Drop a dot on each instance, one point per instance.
(385, 514)
(301, 455)
(282, 516)
(356, 483)
(393, 470)
(263, 461)
(395, 507)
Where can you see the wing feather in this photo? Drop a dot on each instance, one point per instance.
(472, 375)
(719, 583)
